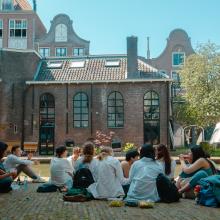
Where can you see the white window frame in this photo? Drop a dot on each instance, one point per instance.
(44, 53)
(61, 33)
(1, 27)
(78, 48)
(176, 52)
(26, 28)
(60, 48)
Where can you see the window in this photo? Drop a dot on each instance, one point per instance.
(112, 63)
(1, 28)
(77, 64)
(115, 110)
(44, 52)
(61, 52)
(54, 64)
(78, 51)
(151, 117)
(175, 77)
(61, 33)
(178, 58)
(18, 28)
(6, 5)
(80, 110)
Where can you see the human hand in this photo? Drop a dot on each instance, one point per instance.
(181, 157)
(13, 173)
(30, 155)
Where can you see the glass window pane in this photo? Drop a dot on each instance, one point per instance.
(147, 102)
(85, 110)
(119, 123)
(111, 102)
(85, 117)
(111, 109)
(77, 96)
(77, 110)
(83, 96)
(119, 110)
(111, 123)
(111, 96)
(77, 117)
(111, 117)
(155, 102)
(119, 103)
(12, 24)
(118, 95)
(77, 103)
(85, 124)
(84, 103)
(154, 95)
(77, 124)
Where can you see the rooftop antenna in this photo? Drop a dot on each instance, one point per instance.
(148, 47)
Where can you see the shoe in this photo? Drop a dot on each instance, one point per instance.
(39, 180)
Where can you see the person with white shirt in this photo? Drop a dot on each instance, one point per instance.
(110, 177)
(14, 162)
(143, 174)
(61, 170)
(75, 156)
(163, 157)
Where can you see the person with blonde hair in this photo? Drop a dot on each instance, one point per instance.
(110, 177)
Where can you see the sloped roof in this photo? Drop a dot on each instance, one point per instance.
(94, 69)
(22, 5)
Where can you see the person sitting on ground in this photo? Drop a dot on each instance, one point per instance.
(130, 157)
(61, 170)
(87, 159)
(143, 174)
(199, 167)
(6, 178)
(75, 156)
(163, 157)
(109, 177)
(14, 161)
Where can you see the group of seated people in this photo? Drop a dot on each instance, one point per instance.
(134, 178)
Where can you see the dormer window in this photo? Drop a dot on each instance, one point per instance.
(112, 63)
(178, 58)
(54, 64)
(61, 33)
(77, 64)
(61, 52)
(78, 52)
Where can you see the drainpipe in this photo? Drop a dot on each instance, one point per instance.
(91, 105)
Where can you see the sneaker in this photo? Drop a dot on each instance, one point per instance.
(39, 180)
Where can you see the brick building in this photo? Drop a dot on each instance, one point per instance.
(62, 92)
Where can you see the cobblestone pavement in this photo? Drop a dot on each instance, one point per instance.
(29, 205)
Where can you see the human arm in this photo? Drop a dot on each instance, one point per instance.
(16, 160)
(4, 174)
(193, 167)
(125, 169)
(119, 173)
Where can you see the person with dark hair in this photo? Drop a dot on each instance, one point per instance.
(130, 157)
(143, 176)
(61, 170)
(14, 162)
(87, 159)
(6, 178)
(163, 157)
(195, 166)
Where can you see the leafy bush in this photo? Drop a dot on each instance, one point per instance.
(208, 148)
(128, 146)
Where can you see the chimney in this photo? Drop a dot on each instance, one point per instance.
(35, 5)
(132, 58)
(148, 48)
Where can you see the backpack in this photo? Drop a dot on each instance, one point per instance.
(83, 178)
(167, 190)
(209, 194)
(46, 188)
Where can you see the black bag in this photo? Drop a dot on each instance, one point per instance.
(83, 178)
(167, 190)
(46, 188)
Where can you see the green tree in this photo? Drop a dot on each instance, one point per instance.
(200, 78)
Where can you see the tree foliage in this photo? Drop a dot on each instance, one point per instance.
(200, 78)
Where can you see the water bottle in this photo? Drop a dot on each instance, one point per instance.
(25, 183)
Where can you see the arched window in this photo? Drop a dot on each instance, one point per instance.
(80, 110)
(61, 33)
(151, 117)
(115, 110)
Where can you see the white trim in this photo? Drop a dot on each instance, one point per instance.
(78, 48)
(1, 20)
(97, 81)
(22, 51)
(23, 19)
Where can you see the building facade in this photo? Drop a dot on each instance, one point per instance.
(52, 89)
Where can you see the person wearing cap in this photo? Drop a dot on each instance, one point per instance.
(143, 174)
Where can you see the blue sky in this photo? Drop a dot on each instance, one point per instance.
(107, 23)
